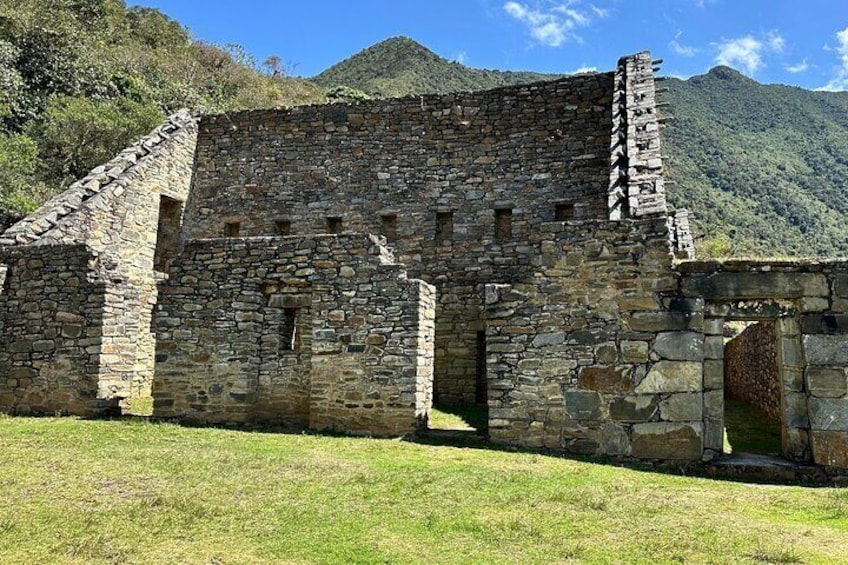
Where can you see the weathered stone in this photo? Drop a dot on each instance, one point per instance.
(680, 346)
(605, 379)
(583, 405)
(743, 285)
(829, 414)
(639, 408)
(667, 441)
(824, 324)
(830, 448)
(672, 376)
(682, 407)
(795, 412)
(713, 375)
(634, 351)
(826, 349)
(827, 382)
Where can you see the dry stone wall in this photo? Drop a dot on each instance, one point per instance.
(319, 331)
(114, 213)
(457, 183)
(808, 300)
(51, 315)
(594, 353)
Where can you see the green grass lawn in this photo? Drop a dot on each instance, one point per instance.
(136, 492)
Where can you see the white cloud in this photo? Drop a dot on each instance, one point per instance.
(460, 57)
(553, 24)
(840, 78)
(747, 52)
(681, 49)
(775, 41)
(584, 69)
(797, 68)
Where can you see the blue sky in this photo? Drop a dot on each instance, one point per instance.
(803, 43)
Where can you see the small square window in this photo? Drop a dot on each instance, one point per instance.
(444, 226)
(389, 222)
(283, 227)
(231, 229)
(334, 224)
(503, 224)
(565, 211)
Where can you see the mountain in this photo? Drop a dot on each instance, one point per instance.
(400, 66)
(764, 168)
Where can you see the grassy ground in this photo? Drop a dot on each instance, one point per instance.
(137, 492)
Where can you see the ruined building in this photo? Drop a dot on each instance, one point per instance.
(345, 266)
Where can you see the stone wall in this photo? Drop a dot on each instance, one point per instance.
(593, 354)
(114, 213)
(455, 182)
(324, 331)
(51, 314)
(809, 302)
(751, 373)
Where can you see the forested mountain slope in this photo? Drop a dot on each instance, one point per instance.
(763, 168)
(81, 79)
(400, 66)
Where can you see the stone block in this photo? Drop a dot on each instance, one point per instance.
(826, 349)
(713, 374)
(667, 441)
(634, 351)
(714, 347)
(714, 405)
(824, 324)
(794, 408)
(633, 408)
(830, 448)
(827, 382)
(829, 414)
(680, 346)
(672, 376)
(748, 285)
(580, 405)
(789, 352)
(684, 407)
(605, 379)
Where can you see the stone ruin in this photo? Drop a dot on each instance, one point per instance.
(343, 267)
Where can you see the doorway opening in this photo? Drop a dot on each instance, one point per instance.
(752, 388)
(470, 416)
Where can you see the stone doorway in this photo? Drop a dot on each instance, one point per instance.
(752, 390)
(772, 331)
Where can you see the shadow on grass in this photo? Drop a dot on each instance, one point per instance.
(750, 430)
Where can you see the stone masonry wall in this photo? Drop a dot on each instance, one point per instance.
(324, 331)
(455, 183)
(809, 301)
(594, 354)
(51, 313)
(751, 373)
(114, 212)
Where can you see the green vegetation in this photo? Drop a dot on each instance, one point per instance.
(82, 79)
(763, 168)
(400, 66)
(135, 492)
